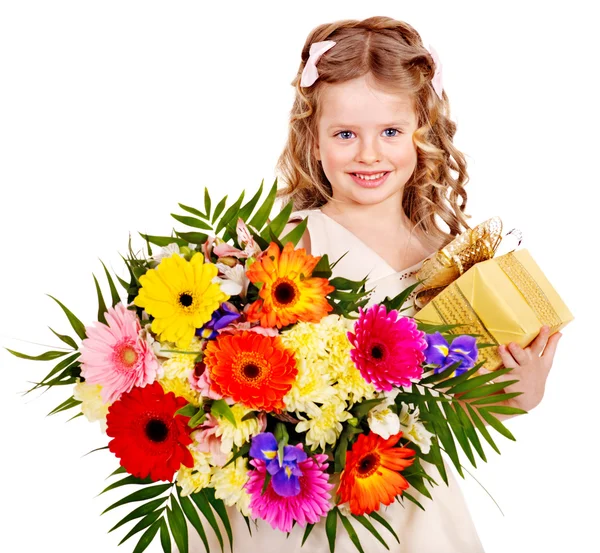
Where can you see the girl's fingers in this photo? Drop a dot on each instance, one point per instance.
(550, 350)
(519, 354)
(507, 359)
(538, 345)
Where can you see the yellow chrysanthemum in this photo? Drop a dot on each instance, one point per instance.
(229, 485)
(351, 386)
(176, 371)
(326, 427)
(198, 477)
(241, 432)
(181, 297)
(308, 340)
(312, 385)
(325, 368)
(288, 291)
(92, 406)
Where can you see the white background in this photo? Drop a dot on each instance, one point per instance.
(112, 112)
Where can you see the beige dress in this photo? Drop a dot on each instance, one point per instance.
(446, 525)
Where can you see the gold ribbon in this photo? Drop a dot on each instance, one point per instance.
(470, 247)
(453, 307)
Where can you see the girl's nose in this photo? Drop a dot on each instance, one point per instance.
(368, 152)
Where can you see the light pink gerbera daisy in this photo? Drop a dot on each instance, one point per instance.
(114, 356)
(387, 351)
(312, 503)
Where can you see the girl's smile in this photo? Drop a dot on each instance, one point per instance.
(373, 181)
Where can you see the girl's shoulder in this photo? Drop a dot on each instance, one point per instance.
(297, 216)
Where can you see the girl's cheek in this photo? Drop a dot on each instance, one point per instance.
(404, 154)
(337, 156)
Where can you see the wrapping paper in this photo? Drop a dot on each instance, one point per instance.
(503, 299)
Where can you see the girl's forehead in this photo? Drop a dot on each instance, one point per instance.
(356, 101)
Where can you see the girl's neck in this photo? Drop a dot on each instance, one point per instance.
(386, 230)
(380, 218)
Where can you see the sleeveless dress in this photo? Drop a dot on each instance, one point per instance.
(446, 525)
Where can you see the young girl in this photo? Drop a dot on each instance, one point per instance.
(371, 163)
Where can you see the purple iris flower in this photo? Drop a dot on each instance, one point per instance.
(220, 319)
(284, 476)
(463, 349)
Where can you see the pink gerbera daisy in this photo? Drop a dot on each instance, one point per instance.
(307, 507)
(114, 356)
(387, 351)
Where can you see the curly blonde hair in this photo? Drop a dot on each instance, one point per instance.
(393, 54)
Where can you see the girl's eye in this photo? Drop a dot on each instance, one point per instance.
(396, 131)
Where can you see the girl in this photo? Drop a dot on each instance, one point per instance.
(370, 161)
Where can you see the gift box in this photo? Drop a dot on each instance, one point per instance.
(503, 299)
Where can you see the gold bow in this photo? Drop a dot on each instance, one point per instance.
(470, 247)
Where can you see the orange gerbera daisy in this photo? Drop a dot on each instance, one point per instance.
(288, 293)
(252, 369)
(371, 475)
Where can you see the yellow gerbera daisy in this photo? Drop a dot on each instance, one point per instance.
(181, 297)
(288, 293)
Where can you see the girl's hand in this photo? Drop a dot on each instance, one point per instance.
(531, 366)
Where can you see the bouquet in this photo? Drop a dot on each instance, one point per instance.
(238, 375)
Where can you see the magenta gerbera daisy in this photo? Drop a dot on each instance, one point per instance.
(387, 351)
(115, 356)
(307, 507)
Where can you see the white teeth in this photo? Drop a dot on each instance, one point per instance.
(370, 177)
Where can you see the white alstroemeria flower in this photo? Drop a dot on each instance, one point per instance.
(166, 251)
(146, 334)
(413, 429)
(384, 423)
(246, 240)
(381, 419)
(345, 509)
(235, 279)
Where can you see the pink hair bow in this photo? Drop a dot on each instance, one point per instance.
(310, 73)
(436, 82)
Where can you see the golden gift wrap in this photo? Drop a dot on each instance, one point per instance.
(503, 299)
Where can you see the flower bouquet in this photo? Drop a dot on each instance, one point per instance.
(238, 375)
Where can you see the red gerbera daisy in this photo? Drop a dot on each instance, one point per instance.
(148, 438)
(253, 369)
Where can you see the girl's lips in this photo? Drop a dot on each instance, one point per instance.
(369, 183)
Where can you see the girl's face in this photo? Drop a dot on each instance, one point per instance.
(364, 130)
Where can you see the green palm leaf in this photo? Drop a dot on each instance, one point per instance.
(141, 511)
(178, 526)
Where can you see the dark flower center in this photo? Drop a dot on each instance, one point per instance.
(285, 293)
(156, 430)
(368, 464)
(251, 371)
(377, 352)
(186, 300)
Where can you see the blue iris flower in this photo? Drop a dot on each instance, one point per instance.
(220, 319)
(284, 475)
(463, 349)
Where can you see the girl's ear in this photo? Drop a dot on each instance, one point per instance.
(317, 152)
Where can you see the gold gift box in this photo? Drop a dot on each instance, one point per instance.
(503, 299)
